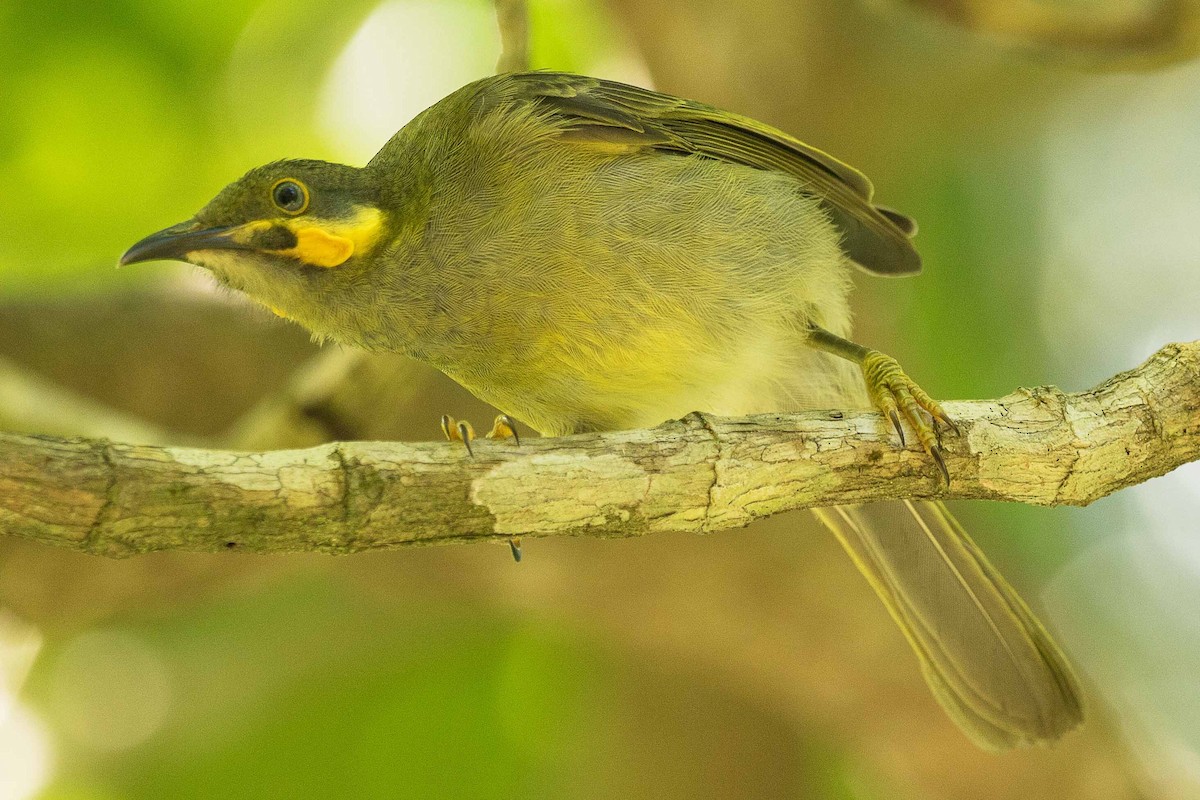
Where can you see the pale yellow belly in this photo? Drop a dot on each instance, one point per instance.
(624, 292)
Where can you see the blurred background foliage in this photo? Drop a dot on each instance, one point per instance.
(1057, 193)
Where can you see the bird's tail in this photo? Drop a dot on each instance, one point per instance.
(988, 659)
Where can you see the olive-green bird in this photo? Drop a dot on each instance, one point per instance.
(586, 255)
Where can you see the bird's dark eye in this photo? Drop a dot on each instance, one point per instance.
(290, 196)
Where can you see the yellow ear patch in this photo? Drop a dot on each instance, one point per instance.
(330, 244)
(320, 248)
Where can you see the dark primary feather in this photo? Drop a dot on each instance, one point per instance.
(604, 112)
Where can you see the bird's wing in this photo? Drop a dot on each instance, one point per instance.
(608, 114)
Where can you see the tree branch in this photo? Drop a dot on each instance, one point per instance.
(702, 473)
(29, 402)
(1136, 36)
(338, 394)
(149, 366)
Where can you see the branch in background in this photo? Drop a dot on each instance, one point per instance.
(1119, 37)
(29, 403)
(512, 16)
(187, 365)
(175, 360)
(1041, 447)
(339, 394)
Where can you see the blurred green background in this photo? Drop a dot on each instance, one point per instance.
(1058, 200)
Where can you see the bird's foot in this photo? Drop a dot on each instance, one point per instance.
(460, 430)
(893, 392)
(504, 427)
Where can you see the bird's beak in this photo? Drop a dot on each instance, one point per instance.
(177, 241)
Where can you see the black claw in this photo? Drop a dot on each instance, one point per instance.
(936, 452)
(896, 423)
(446, 427)
(949, 423)
(512, 425)
(515, 546)
(464, 431)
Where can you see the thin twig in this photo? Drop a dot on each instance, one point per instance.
(513, 18)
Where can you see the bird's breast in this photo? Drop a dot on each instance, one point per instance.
(591, 292)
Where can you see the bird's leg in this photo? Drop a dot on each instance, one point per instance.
(891, 391)
(504, 427)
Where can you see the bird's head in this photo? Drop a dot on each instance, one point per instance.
(277, 231)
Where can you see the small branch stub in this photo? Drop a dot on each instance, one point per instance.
(702, 473)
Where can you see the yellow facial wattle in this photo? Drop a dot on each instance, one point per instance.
(320, 248)
(321, 243)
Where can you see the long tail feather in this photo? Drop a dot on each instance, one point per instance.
(988, 659)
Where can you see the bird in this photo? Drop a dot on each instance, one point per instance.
(587, 255)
